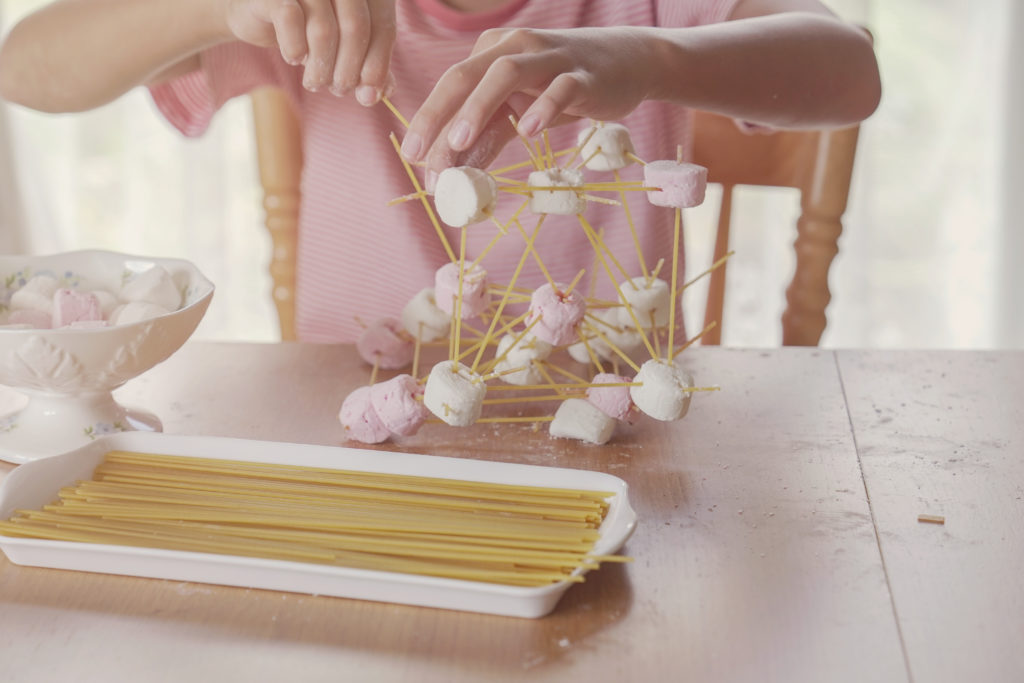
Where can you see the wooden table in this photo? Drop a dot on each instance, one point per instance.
(779, 538)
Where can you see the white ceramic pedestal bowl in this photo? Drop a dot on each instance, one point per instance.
(62, 378)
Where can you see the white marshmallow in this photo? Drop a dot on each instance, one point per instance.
(464, 195)
(580, 419)
(108, 301)
(626, 338)
(454, 393)
(521, 355)
(422, 316)
(567, 202)
(662, 393)
(578, 351)
(615, 146)
(155, 286)
(35, 295)
(136, 311)
(645, 298)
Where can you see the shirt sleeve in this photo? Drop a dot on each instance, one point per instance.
(189, 102)
(683, 13)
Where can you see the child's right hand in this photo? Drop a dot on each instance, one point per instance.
(345, 45)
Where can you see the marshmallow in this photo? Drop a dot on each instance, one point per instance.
(35, 295)
(108, 302)
(568, 202)
(136, 311)
(682, 184)
(396, 405)
(614, 143)
(359, 419)
(662, 393)
(71, 306)
(31, 317)
(615, 402)
(644, 299)
(464, 195)
(385, 344)
(560, 314)
(579, 419)
(475, 297)
(154, 286)
(521, 355)
(422, 317)
(454, 393)
(626, 338)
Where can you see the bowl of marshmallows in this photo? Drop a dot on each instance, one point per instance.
(74, 327)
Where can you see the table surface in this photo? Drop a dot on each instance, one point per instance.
(778, 539)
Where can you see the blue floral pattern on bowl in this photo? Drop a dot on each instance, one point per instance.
(12, 282)
(103, 428)
(8, 422)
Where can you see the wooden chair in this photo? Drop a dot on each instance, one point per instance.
(818, 164)
(279, 156)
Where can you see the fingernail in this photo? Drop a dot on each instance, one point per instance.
(367, 95)
(412, 146)
(458, 136)
(431, 181)
(529, 125)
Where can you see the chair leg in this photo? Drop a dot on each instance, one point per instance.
(808, 295)
(817, 241)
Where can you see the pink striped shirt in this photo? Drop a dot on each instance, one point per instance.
(359, 257)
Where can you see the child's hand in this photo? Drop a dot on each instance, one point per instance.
(345, 45)
(544, 77)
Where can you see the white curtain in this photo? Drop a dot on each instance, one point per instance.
(929, 256)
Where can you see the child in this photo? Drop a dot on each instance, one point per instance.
(778, 63)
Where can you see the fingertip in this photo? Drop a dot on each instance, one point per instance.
(367, 95)
(529, 125)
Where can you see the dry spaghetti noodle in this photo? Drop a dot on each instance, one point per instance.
(478, 531)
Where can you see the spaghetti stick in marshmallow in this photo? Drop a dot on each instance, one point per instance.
(423, 319)
(475, 295)
(681, 185)
(559, 314)
(454, 393)
(384, 343)
(663, 392)
(568, 202)
(614, 143)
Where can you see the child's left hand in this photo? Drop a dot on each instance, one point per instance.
(543, 77)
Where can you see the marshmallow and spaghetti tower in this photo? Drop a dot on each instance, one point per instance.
(497, 357)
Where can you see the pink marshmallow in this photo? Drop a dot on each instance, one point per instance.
(682, 184)
(385, 344)
(359, 419)
(475, 296)
(31, 317)
(395, 403)
(614, 402)
(559, 314)
(71, 306)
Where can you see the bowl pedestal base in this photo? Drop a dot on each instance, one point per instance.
(46, 423)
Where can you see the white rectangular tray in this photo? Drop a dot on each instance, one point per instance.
(37, 483)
